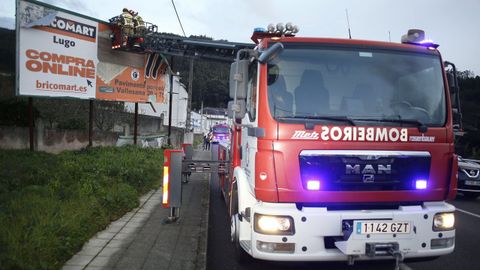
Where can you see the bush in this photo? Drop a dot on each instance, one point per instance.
(72, 124)
(51, 204)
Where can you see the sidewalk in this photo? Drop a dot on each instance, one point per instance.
(140, 239)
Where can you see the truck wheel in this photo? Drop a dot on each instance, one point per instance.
(240, 255)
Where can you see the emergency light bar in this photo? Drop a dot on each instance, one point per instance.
(417, 37)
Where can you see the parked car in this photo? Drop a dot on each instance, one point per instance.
(469, 177)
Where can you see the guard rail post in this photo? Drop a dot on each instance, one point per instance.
(214, 150)
(188, 155)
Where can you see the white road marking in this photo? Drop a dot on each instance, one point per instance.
(468, 213)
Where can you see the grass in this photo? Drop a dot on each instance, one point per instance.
(51, 204)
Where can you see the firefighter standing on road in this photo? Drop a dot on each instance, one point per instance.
(127, 25)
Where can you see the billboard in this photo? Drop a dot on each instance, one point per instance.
(57, 53)
(126, 76)
(64, 54)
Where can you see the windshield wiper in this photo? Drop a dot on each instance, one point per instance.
(421, 126)
(309, 125)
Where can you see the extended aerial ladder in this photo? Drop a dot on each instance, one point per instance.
(151, 41)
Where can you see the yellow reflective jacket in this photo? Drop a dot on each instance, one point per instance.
(127, 19)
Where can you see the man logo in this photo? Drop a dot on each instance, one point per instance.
(368, 169)
(135, 75)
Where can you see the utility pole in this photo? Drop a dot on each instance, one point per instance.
(170, 101)
(201, 116)
(188, 125)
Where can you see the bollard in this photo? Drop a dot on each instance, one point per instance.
(222, 169)
(188, 155)
(214, 149)
(188, 150)
(172, 183)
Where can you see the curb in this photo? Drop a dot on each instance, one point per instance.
(84, 258)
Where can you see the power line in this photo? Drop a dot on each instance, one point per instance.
(178, 17)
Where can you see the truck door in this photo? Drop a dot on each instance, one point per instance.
(250, 122)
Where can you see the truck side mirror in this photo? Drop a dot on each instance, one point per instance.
(451, 83)
(271, 53)
(455, 97)
(457, 119)
(240, 109)
(239, 79)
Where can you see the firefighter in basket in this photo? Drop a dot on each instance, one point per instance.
(140, 29)
(126, 20)
(139, 24)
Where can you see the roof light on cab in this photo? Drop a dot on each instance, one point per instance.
(417, 37)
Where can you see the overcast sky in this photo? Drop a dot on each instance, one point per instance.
(455, 25)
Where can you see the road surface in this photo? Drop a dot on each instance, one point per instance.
(466, 255)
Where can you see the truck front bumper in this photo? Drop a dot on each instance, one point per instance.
(319, 235)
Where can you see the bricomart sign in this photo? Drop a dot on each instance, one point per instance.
(62, 54)
(57, 53)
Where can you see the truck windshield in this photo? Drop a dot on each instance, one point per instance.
(364, 84)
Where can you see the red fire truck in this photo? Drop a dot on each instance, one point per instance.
(342, 149)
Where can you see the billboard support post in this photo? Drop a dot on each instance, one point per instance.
(90, 123)
(31, 123)
(135, 124)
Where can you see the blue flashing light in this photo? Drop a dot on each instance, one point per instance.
(421, 184)
(259, 29)
(428, 43)
(313, 184)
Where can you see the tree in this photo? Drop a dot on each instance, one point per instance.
(470, 105)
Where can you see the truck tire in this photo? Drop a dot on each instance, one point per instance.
(241, 256)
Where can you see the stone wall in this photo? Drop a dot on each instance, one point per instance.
(52, 140)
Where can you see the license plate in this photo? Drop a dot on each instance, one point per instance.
(472, 183)
(379, 227)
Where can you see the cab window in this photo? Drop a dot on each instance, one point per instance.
(252, 91)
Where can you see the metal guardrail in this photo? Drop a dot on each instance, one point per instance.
(178, 166)
(201, 166)
(472, 160)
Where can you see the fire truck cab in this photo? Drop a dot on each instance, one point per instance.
(342, 149)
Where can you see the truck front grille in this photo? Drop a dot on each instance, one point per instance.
(355, 170)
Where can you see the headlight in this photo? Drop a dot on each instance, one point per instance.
(443, 221)
(266, 224)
